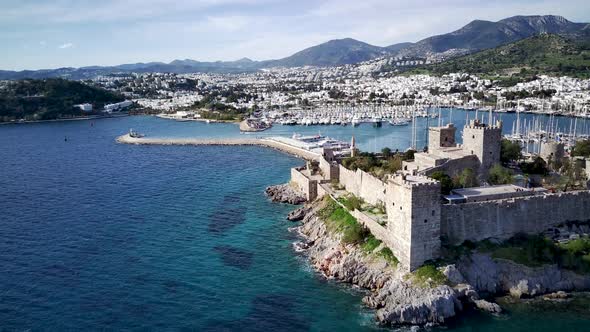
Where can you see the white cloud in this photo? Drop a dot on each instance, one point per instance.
(66, 45)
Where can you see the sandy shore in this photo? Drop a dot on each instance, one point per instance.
(265, 142)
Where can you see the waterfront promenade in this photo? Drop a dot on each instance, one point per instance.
(265, 142)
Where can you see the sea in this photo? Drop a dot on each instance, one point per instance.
(96, 235)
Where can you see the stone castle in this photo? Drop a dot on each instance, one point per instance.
(419, 219)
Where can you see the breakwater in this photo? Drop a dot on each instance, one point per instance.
(264, 142)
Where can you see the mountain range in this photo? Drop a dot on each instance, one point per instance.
(475, 36)
(539, 54)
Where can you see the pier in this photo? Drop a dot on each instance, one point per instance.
(264, 142)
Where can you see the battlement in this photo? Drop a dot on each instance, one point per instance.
(477, 124)
(413, 181)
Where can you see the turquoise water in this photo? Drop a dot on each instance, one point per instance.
(97, 235)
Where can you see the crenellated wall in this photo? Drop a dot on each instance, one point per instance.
(503, 219)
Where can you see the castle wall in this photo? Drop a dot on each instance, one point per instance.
(330, 170)
(413, 212)
(454, 167)
(378, 231)
(307, 186)
(363, 185)
(503, 219)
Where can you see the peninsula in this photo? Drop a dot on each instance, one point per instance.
(426, 250)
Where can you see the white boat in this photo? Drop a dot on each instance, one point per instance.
(400, 122)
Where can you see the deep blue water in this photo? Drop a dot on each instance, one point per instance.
(97, 235)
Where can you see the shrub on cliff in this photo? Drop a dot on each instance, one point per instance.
(370, 244)
(389, 257)
(338, 220)
(428, 276)
(351, 202)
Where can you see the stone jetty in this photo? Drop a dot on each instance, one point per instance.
(264, 142)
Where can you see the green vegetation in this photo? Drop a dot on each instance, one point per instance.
(378, 164)
(518, 61)
(537, 166)
(446, 183)
(428, 276)
(581, 148)
(371, 243)
(351, 202)
(572, 176)
(466, 179)
(499, 175)
(533, 251)
(338, 220)
(387, 254)
(510, 151)
(50, 99)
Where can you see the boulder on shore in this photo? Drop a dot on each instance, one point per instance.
(285, 193)
(299, 214)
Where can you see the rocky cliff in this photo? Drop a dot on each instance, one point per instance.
(397, 300)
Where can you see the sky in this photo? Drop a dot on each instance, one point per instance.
(39, 34)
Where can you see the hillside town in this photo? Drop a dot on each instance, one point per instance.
(349, 85)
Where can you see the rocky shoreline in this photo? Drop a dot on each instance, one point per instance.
(398, 301)
(285, 193)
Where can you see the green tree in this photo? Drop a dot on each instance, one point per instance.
(571, 175)
(386, 152)
(510, 151)
(466, 179)
(499, 175)
(537, 166)
(446, 183)
(581, 148)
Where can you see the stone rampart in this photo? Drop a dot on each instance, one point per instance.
(503, 219)
(454, 167)
(377, 230)
(307, 186)
(363, 185)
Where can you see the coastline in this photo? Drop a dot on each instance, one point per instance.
(393, 296)
(264, 142)
(81, 118)
(472, 279)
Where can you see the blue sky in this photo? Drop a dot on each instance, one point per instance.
(59, 33)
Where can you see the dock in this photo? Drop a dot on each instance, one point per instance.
(264, 142)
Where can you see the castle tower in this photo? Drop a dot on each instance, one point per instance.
(441, 137)
(414, 214)
(554, 151)
(484, 141)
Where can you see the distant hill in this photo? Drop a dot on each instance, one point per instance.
(541, 54)
(49, 99)
(331, 53)
(475, 36)
(479, 35)
(398, 47)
